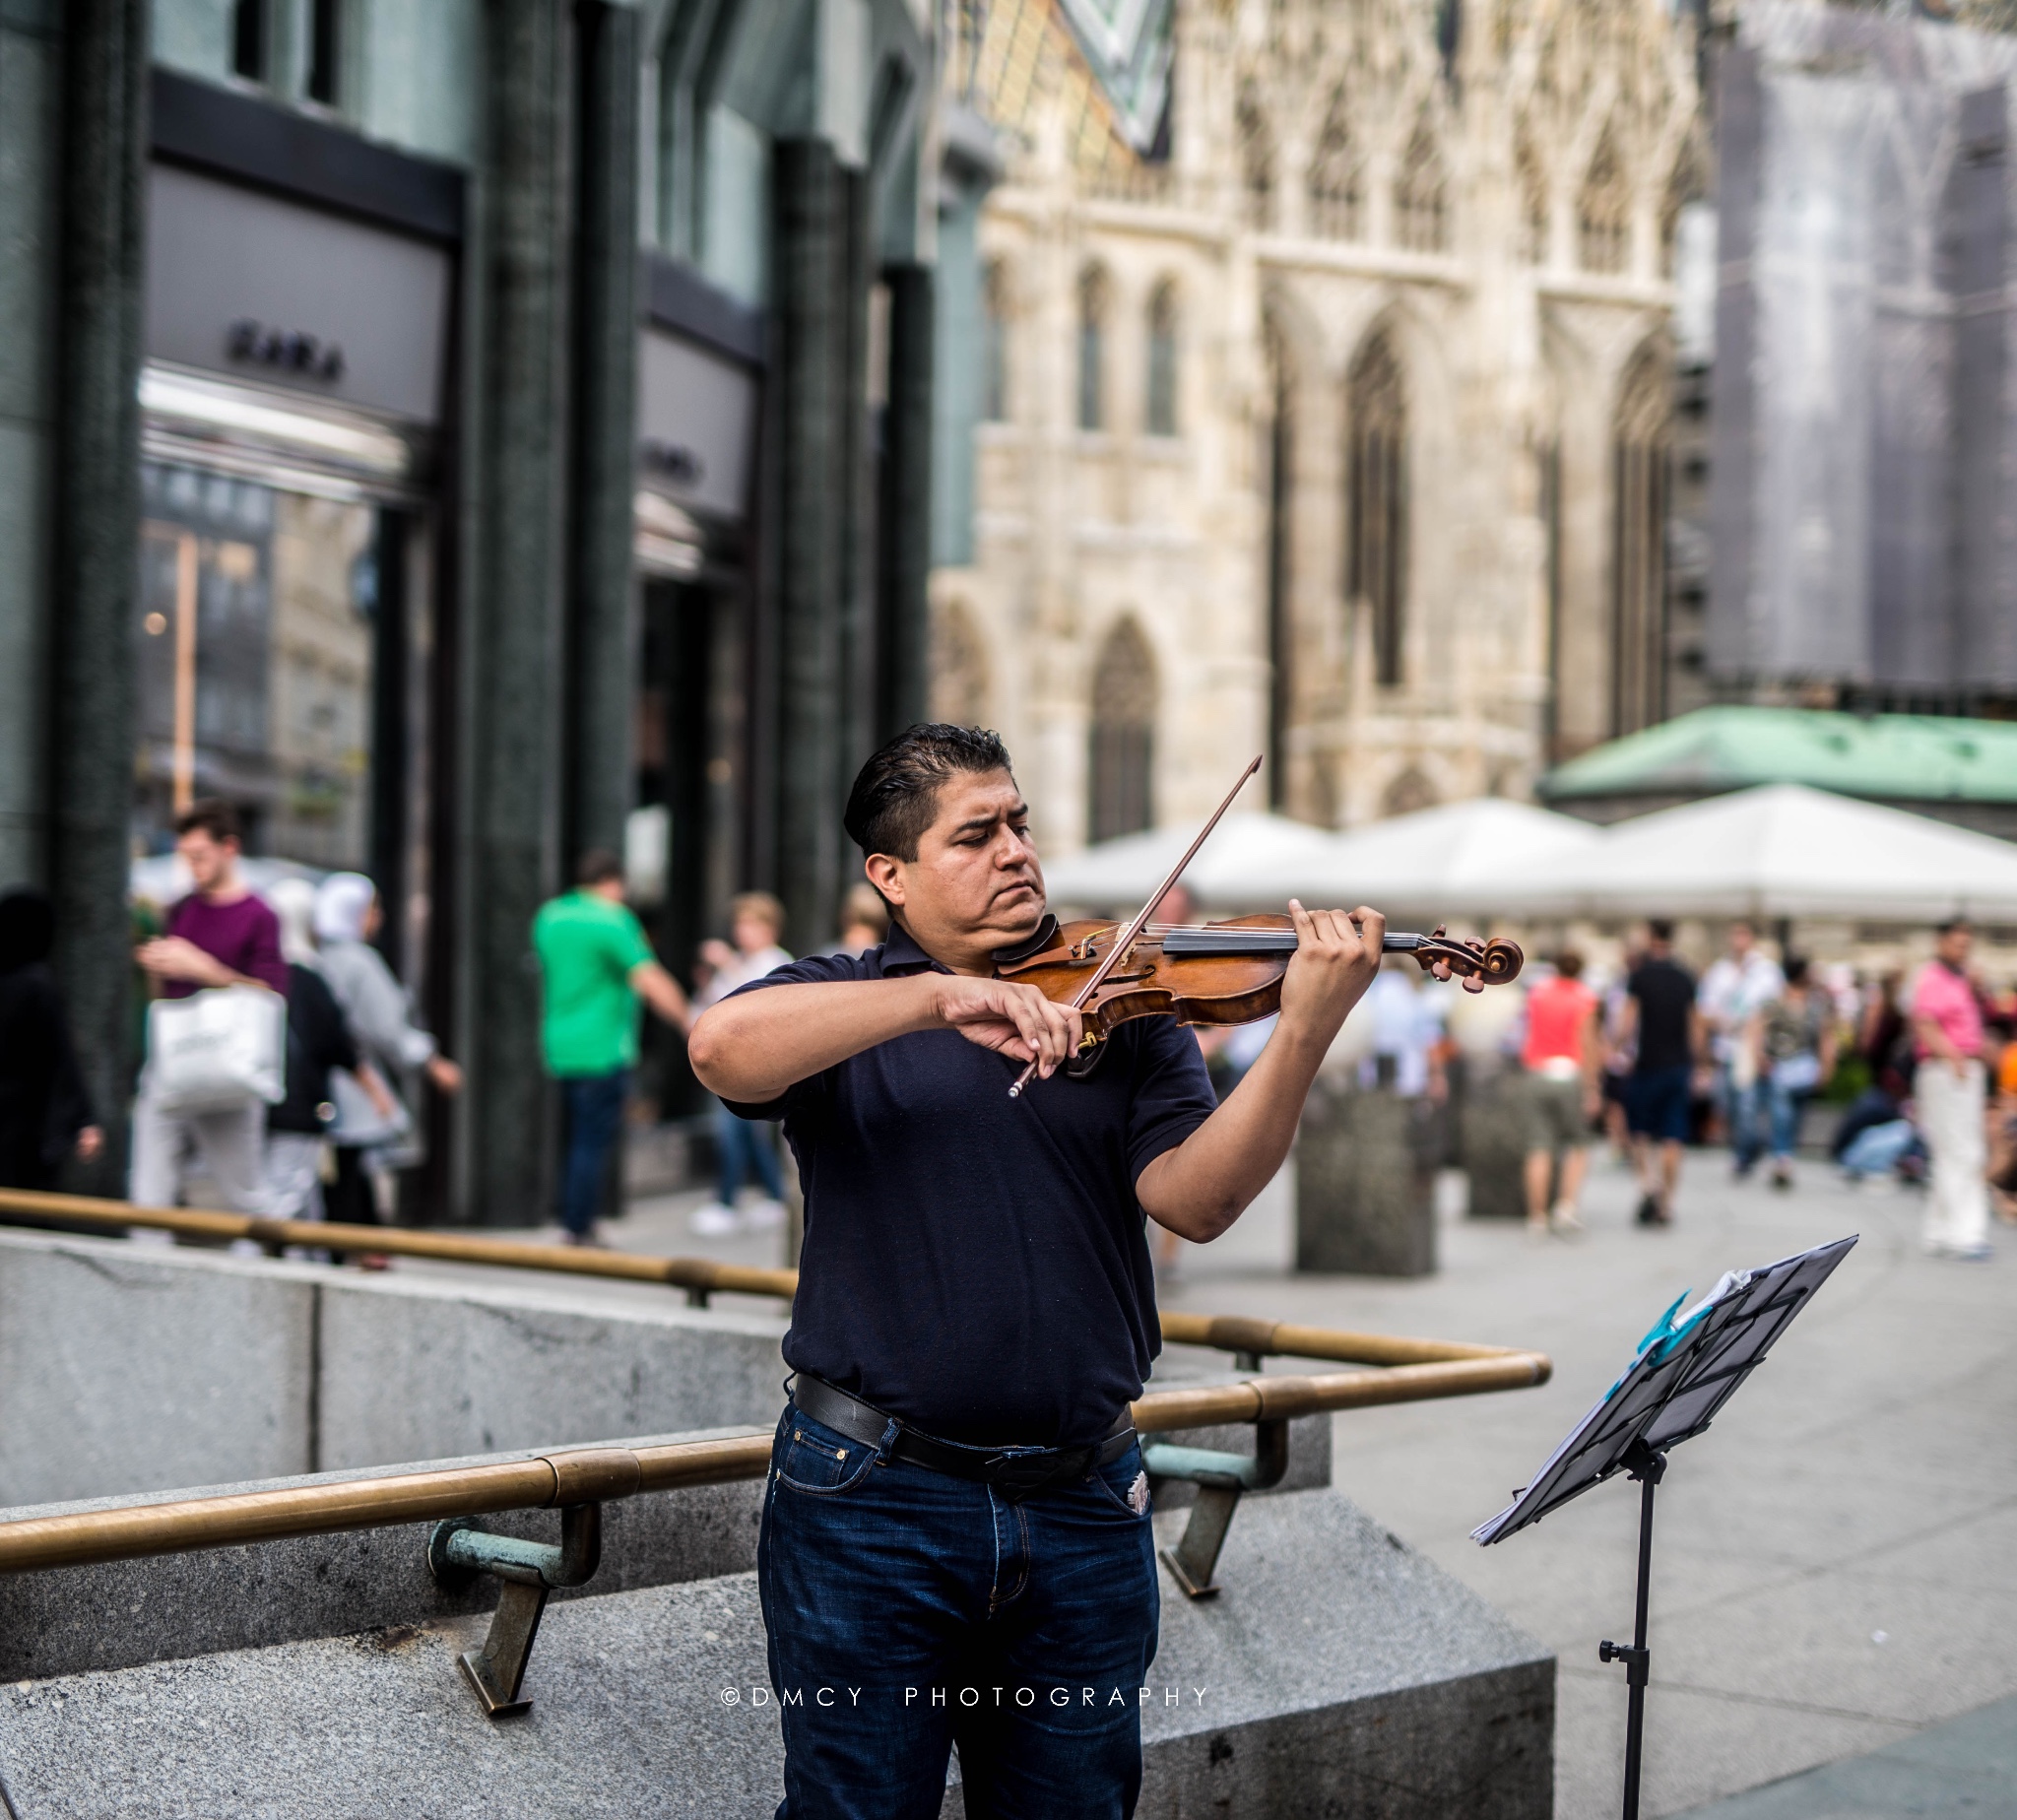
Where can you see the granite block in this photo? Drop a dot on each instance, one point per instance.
(1365, 1183)
(120, 1614)
(1341, 1673)
(415, 1369)
(1491, 1144)
(125, 1366)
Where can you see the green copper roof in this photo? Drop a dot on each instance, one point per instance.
(1899, 757)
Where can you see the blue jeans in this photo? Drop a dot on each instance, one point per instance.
(595, 1112)
(746, 1148)
(1877, 1150)
(1744, 1113)
(1781, 1116)
(909, 1611)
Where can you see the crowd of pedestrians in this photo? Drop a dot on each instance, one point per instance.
(279, 1050)
(274, 1041)
(1924, 1067)
(310, 1117)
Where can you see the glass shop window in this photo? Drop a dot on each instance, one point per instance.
(258, 663)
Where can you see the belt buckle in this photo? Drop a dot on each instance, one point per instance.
(1019, 1475)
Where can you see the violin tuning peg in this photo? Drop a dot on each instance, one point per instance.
(1472, 983)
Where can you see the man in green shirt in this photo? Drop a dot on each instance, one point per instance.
(596, 963)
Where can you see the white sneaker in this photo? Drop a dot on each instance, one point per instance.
(765, 1217)
(713, 1220)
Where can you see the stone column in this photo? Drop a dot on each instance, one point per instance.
(515, 646)
(603, 628)
(904, 634)
(30, 227)
(103, 272)
(813, 444)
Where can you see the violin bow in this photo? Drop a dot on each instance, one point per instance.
(1134, 930)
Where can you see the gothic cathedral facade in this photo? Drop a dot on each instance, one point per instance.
(1335, 421)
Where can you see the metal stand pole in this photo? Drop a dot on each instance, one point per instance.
(1647, 1468)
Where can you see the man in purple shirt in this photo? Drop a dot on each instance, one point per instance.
(220, 934)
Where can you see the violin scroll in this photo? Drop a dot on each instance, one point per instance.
(1478, 964)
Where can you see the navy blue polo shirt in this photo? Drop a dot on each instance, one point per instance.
(976, 1265)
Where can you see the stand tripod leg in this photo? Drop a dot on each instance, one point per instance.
(1638, 1671)
(1647, 1468)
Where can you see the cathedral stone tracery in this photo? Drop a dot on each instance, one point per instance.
(1330, 402)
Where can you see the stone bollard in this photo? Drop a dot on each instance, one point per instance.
(1365, 1182)
(1492, 1142)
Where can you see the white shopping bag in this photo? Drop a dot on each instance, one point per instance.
(217, 1048)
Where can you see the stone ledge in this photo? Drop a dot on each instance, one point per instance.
(1343, 1673)
(121, 1615)
(125, 1367)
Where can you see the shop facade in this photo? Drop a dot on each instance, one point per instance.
(406, 454)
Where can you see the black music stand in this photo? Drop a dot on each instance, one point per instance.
(1686, 1369)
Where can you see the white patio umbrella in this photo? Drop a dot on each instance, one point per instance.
(1783, 850)
(1117, 875)
(1453, 861)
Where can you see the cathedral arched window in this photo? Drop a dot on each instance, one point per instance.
(1124, 703)
(959, 667)
(1257, 158)
(994, 343)
(1604, 212)
(1376, 567)
(1336, 181)
(1092, 326)
(1420, 203)
(1162, 360)
(1640, 461)
(1531, 185)
(1408, 794)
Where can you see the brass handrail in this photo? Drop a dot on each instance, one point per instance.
(599, 1474)
(702, 1276)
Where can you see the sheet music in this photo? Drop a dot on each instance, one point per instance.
(1686, 1368)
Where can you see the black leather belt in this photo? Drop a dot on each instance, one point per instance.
(1019, 1473)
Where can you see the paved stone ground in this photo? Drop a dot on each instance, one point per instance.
(1836, 1562)
(1964, 1770)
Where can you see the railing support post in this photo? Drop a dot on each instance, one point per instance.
(458, 1551)
(1220, 1478)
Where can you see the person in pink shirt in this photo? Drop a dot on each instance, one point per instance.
(1561, 1056)
(1947, 1035)
(220, 934)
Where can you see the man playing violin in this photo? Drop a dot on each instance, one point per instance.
(955, 1546)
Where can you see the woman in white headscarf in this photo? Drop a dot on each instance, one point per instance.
(347, 917)
(319, 1045)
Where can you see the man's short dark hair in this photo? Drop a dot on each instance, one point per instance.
(1569, 964)
(214, 816)
(1796, 969)
(598, 866)
(1659, 928)
(1952, 924)
(896, 794)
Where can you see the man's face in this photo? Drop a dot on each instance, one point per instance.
(975, 882)
(1956, 945)
(1742, 940)
(210, 861)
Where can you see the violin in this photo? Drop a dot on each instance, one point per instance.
(1218, 973)
(1214, 973)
